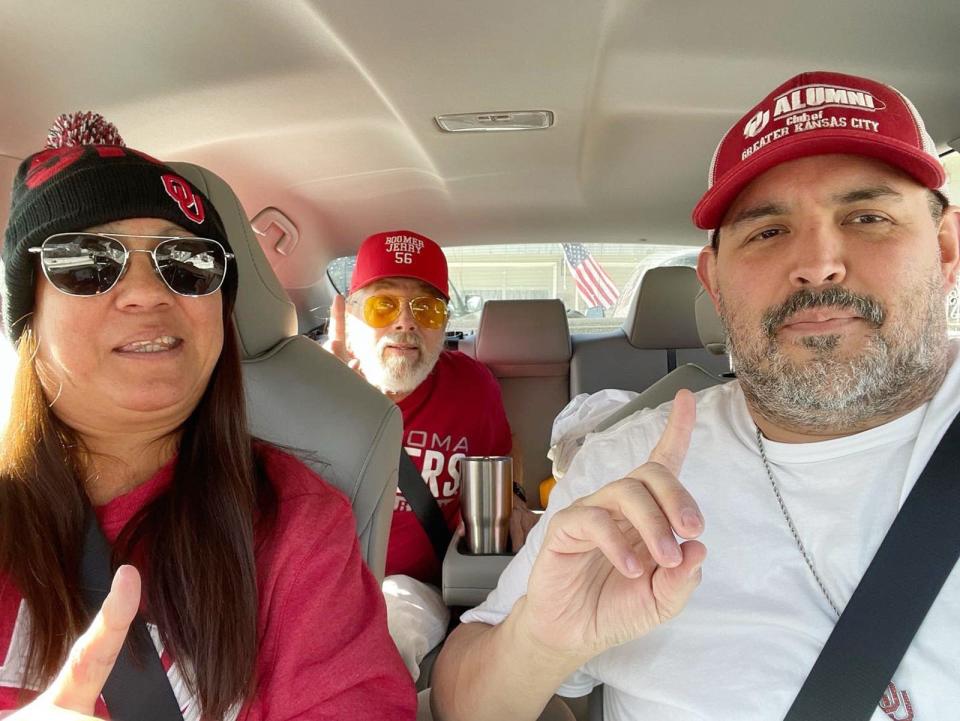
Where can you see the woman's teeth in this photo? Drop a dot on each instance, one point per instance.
(154, 345)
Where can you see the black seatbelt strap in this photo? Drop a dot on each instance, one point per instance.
(424, 505)
(892, 599)
(137, 688)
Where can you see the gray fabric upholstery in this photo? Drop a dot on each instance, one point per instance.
(711, 362)
(662, 315)
(264, 314)
(523, 333)
(607, 360)
(531, 405)
(712, 335)
(301, 397)
(689, 376)
(526, 343)
(663, 318)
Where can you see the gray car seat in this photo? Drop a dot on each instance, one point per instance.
(690, 375)
(526, 344)
(658, 335)
(301, 397)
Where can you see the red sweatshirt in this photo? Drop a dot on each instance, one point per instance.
(457, 411)
(324, 651)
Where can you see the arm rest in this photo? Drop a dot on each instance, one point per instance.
(467, 579)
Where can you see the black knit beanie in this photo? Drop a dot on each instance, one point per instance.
(86, 177)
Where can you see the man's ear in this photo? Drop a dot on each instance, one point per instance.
(707, 273)
(948, 238)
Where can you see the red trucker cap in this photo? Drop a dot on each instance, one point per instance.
(400, 253)
(819, 113)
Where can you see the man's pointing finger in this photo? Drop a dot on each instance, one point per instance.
(671, 450)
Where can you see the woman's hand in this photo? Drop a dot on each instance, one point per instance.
(73, 694)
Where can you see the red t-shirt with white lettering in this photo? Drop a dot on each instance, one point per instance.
(457, 411)
(324, 651)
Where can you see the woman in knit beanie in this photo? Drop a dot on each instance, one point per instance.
(128, 452)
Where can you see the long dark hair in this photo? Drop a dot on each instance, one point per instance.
(194, 544)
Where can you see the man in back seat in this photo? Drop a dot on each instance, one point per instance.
(832, 254)
(391, 329)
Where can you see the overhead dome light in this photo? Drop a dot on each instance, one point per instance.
(495, 122)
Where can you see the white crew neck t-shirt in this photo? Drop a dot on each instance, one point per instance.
(752, 631)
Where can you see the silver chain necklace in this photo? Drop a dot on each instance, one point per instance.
(793, 529)
(809, 561)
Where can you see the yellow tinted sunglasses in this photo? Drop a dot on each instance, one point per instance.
(381, 310)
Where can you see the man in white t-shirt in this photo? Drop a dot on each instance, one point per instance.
(833, 249)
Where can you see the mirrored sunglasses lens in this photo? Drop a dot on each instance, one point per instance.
(429, 312)
(192, 266)
(380, 310)
(82, 264)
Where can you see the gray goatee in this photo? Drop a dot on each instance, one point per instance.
(900, 367)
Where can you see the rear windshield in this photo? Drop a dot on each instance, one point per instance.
(596, 281)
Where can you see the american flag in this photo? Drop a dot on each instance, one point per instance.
(593, 283)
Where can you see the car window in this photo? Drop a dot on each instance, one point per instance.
(596, 281)
(339, 272)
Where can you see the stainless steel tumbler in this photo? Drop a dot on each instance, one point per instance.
(486, 501)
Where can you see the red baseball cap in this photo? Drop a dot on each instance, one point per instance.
(819, 113)
(400, 254)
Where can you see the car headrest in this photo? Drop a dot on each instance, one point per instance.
(709, 325)
(264, 315)
(662, 314)
(524, 338)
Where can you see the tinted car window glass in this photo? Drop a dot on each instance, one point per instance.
(596, 281)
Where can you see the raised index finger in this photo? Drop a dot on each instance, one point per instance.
(671, 449)
(338, 312)
(80, 682)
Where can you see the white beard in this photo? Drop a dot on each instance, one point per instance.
(387, 372)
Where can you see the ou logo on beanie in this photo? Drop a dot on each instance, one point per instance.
(184, 196)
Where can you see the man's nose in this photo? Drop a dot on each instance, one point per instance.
(819, 256)
(140, 286)
(405, 321)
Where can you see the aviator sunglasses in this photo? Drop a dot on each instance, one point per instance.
(381, 310)
(86, 264)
